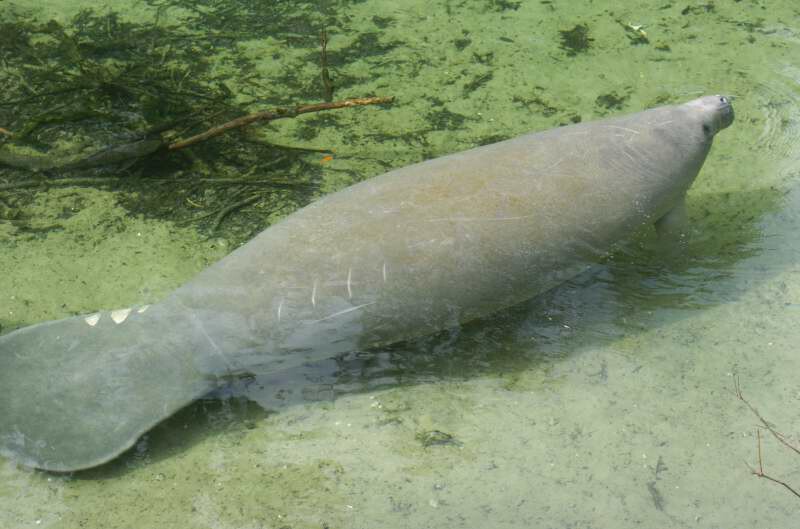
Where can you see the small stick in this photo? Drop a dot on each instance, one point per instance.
(760, 472)
(777, 435)
(327, 85)
(6, 132)
(278, 113)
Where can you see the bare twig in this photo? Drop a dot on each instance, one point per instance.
(760, 472)
(278, 113)
(777, 435)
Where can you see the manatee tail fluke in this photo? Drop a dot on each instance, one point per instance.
(77, 392)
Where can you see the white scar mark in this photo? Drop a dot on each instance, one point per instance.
(632, 131)
(280, 308)
(198, 323)
(349, 278)
(314, 294)
(120, 315)
(553, 165)
(92, 319)
(626, 153)
(345, 311)
(479, 219)
(142, 308)
(384, 272)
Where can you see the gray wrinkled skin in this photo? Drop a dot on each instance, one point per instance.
(404, 254)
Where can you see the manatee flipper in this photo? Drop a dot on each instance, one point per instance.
(673, 226)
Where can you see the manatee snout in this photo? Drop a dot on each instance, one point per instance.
(716, 113)
(724, 111)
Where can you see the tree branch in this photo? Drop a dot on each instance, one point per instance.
(277, 113)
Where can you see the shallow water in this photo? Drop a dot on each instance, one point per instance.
(607, 402)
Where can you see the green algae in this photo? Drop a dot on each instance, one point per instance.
(54, 243)
(564, 405)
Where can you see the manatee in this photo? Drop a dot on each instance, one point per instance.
(404, 254)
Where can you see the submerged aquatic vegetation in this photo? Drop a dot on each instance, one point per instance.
(102, 86)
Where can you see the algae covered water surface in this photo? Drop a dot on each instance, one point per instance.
(608, 402)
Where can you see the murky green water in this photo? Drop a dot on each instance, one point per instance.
(606, 403)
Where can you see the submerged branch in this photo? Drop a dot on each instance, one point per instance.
(278, 113)
(152, 143)
(771, 429)
(759, 472)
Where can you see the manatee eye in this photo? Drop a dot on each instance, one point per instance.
(706, 129)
